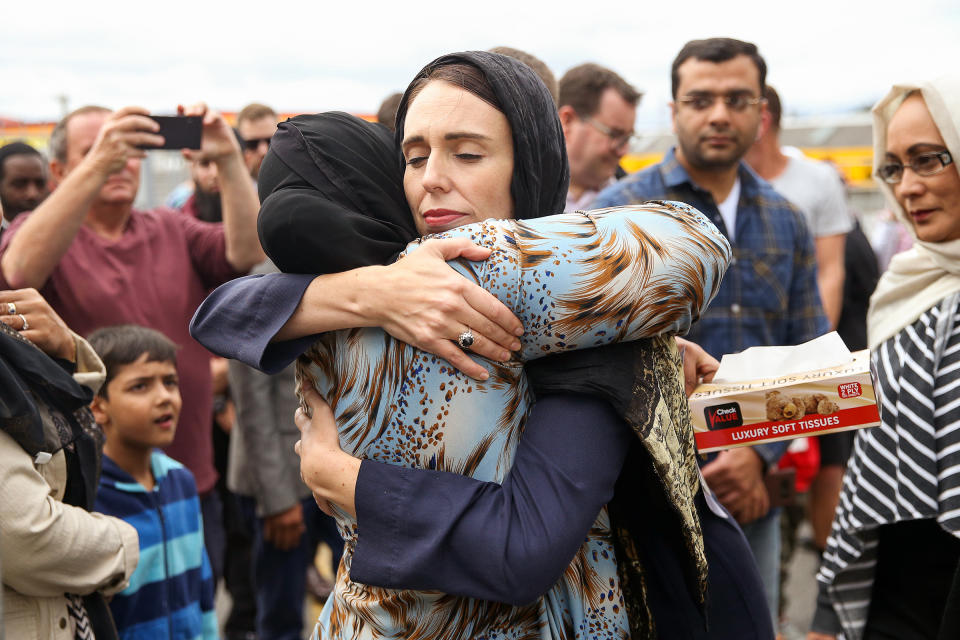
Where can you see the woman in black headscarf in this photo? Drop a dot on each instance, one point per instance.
(537, 187)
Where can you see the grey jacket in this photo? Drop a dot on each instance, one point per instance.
(262, 462)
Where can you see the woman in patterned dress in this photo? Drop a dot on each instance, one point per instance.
(891, 565)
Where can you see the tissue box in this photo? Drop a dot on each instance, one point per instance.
(795, 405)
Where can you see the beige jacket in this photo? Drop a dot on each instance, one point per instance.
(50, 548)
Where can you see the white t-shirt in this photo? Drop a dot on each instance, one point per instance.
(815, 188)
(728, 209)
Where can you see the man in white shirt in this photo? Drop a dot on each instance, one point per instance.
(815, 188)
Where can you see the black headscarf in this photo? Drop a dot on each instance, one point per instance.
(541, 173)
(332, 195)
(29, 379)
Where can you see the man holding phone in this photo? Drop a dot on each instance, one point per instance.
(99, 262)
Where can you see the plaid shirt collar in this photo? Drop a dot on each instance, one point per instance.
(674, 175)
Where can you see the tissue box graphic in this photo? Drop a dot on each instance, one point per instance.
(735, 410)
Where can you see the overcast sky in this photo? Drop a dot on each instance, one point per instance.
(823, 55)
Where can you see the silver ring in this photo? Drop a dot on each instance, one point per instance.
(11, 309)
(26, 325)
(465, 339)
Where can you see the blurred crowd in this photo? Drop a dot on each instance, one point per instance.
(139, 472)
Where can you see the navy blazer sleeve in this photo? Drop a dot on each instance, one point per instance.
(239, 319)
(423, 529)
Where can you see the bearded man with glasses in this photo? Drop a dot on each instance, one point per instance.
(597, 109)
(769, 294)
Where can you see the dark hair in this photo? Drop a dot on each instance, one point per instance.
(387, 113)
(465, 76)
(773, 106)
(582, 86)
(16, 149)
(539, 67)
(716, 50)
(58, 137)
(541, 174)
(123, 344)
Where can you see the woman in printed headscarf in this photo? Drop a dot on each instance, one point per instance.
(891, 565)
(613, 376)
(59, 559)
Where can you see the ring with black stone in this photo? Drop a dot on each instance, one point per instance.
(465, 339)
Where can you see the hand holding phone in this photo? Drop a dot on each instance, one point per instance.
(218, 141)
(179, 132)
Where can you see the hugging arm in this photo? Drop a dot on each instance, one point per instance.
(240, 319)
(266, 321)
(422, 529)
(582, 280)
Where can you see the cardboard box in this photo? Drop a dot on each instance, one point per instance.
(747, 412)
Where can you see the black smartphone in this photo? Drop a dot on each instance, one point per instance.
(179, 132)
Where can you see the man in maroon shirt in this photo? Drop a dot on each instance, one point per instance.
(99, 262)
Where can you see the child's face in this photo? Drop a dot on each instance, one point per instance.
(142, 405)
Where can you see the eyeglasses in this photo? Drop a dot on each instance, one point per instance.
(252, 144)
(924, 164)
(617, 138)
(703, 100)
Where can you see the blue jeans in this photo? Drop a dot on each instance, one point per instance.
(764, 538)
(279, 576)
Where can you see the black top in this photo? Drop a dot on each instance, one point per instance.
(862, 273)
(916, 564)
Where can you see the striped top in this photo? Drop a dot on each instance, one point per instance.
(171, 592)
(908, 468)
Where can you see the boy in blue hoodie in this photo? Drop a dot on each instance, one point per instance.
(171, 592)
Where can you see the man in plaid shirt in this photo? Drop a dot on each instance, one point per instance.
(769, 294)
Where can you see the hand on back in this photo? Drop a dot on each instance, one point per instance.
(422, 301)
(329, 472)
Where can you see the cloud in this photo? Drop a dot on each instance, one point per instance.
(297, 55)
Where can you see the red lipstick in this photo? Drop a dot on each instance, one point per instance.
(441, 218)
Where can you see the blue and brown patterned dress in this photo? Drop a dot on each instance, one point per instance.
(576, 281)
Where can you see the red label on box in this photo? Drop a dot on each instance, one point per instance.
(850, 390)
(770, 431)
